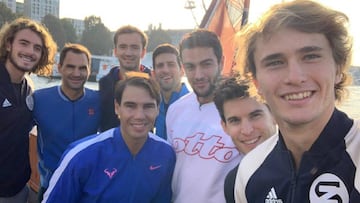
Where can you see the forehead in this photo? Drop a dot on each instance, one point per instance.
(129, 38)
(198, 54)
(163, 57)
(288, 41)
(242, 107)
(74, 58)
(136, 94)
(29, 35)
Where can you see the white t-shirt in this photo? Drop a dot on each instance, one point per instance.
(204, 152)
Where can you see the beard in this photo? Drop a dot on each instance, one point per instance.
(211, 89)
(16, 65)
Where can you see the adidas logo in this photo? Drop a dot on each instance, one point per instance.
(6, 103)
(272, 197)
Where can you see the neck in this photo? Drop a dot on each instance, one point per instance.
(300, 137)
(167, 94)
(123, 71)
(16, 75)
(71, 93)
(134, 144)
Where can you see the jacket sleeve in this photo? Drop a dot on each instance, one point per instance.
(65, 184)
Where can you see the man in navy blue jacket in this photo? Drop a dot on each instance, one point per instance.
(129, 47)
(298, 55)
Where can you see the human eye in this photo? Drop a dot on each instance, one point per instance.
(38, 48)
(122, 46)
(189, 67)
(233, 121)
(256, 115)
(273, 63)
(83, 68)
(129, 105)
(311, 57)
(149, 106)
(135, 47)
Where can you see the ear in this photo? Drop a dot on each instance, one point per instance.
(59, 68)
(223, 125)
(338, 76)
(256, 83)
(182, 70)
(117, 108)
(221, 63)
(8, 46)
(143, 52)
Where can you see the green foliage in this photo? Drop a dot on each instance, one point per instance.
(69, 30)
(157, 36)
(6, 15)
(96, 37)
(56, 29)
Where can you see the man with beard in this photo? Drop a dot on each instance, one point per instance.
(168, 73)
(204, 152)
(129, 47)
(65, 113)
(25, 46)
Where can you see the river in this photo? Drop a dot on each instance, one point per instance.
(351, 106)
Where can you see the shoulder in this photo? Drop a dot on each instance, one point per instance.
(110, 75)
(81, 148)
(92, 93)
(45, 91)
(161, 143)
(187, 99)
(253, 160)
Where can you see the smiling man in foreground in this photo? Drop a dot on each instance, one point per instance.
(298, 55)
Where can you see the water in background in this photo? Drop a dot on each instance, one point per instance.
(351, 106)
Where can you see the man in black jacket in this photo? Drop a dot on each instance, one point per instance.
(25, 46)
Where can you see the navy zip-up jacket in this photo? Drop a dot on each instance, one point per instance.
(328, 172)
(15, 125)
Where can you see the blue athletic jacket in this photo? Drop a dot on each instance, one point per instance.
(160, 124)
(328, 172)
(101, 169)
(61, 122)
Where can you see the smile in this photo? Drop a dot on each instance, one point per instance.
(298, 96)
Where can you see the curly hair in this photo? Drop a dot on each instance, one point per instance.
(47, 59)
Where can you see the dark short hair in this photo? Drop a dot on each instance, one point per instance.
(129, 29)
(76, 48)
(146, 83)
(166, 48)
(202, 38)
(233, 87)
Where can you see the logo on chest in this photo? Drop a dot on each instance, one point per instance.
(206, 147)
(328, 188)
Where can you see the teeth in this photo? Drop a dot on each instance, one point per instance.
(297, 96)
(26, 58)
(251, 141)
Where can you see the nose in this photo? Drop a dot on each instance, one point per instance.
(246, 127)
(295, 73)
(76, 72)
(198, 73)
(139, 113)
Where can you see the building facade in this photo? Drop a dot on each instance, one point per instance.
(11, 4)
(37, 9)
